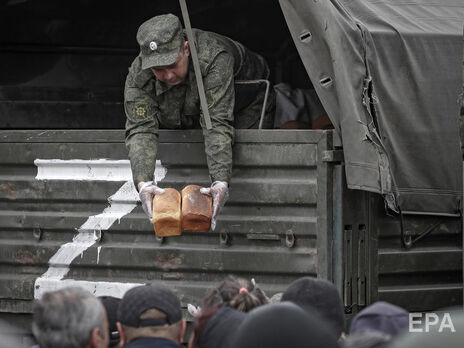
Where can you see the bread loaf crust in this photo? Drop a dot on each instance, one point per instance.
(167, 219)
(197, 209)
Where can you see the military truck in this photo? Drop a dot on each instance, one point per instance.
(373, 205)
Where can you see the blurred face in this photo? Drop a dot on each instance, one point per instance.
(99, 337)
(105, 340)
(177, 72)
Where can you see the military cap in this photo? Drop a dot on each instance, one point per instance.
(160, 39)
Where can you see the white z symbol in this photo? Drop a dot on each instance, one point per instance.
(121, 204)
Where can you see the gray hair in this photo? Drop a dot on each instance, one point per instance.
(65, 318)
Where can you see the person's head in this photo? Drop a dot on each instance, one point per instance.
(283, 325)
(383, 317)
(238, 293)
(215, 328)
(71, 317)
(312, 293)
(163, 48)
(111, 307)
(150, 311)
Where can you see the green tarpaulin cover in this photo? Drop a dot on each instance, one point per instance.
(389, 76)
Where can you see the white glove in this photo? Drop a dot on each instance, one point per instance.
(146, 193)
(220, 193)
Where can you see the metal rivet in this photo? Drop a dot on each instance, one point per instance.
(153, 46)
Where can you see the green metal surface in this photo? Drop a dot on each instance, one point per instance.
(376, 267)
(273, 227)
(289, 215)
(427, 276)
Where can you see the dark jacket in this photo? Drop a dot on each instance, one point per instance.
(220, 329)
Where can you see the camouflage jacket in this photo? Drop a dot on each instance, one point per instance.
(151, 104)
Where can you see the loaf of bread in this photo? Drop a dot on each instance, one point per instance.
(167, 213)
(197, 209)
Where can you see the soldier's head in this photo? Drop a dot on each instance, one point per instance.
(163, 48)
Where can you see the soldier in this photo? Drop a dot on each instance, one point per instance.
(161, 92)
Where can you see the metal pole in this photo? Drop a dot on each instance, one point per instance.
(196, 64)
(263, 110)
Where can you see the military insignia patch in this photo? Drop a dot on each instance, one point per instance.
(140, 110)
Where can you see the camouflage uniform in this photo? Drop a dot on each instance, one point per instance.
(151, 104)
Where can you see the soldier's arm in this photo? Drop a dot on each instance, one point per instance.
(220, 96)
(141, 131)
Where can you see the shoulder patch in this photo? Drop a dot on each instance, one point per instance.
(140, 110)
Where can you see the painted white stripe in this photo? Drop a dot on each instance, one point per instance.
(98, 254)
(115, 289)
(121, 204)
(78, 169)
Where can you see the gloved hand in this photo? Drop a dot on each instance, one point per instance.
(220, 193)
(146, 193)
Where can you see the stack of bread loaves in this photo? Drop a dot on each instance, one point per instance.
(173, 213)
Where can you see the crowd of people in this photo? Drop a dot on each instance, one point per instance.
(236, 314)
